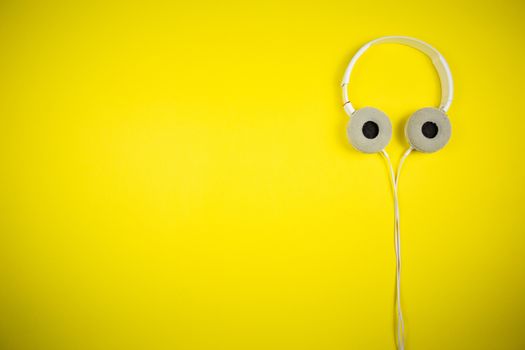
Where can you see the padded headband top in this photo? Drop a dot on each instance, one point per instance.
(439, 62)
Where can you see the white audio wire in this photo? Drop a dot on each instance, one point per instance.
(400, 326)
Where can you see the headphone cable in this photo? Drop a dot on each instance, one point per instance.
(400, 326)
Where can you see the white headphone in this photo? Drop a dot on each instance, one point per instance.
(427, 130)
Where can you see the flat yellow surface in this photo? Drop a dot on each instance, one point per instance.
(177, 176)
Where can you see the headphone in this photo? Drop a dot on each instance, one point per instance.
(427, 130)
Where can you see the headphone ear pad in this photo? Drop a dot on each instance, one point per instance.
(369, 130)
(428, 130)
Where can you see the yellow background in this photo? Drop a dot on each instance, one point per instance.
(177, 176)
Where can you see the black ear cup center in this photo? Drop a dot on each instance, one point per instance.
(430, 130)
(370, 129)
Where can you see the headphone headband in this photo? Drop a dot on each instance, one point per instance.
(439, 62)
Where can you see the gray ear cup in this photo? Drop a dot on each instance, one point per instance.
(428, 130)
(369, 130)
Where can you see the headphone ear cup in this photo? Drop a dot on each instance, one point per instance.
(428, 130)
(369, 130)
